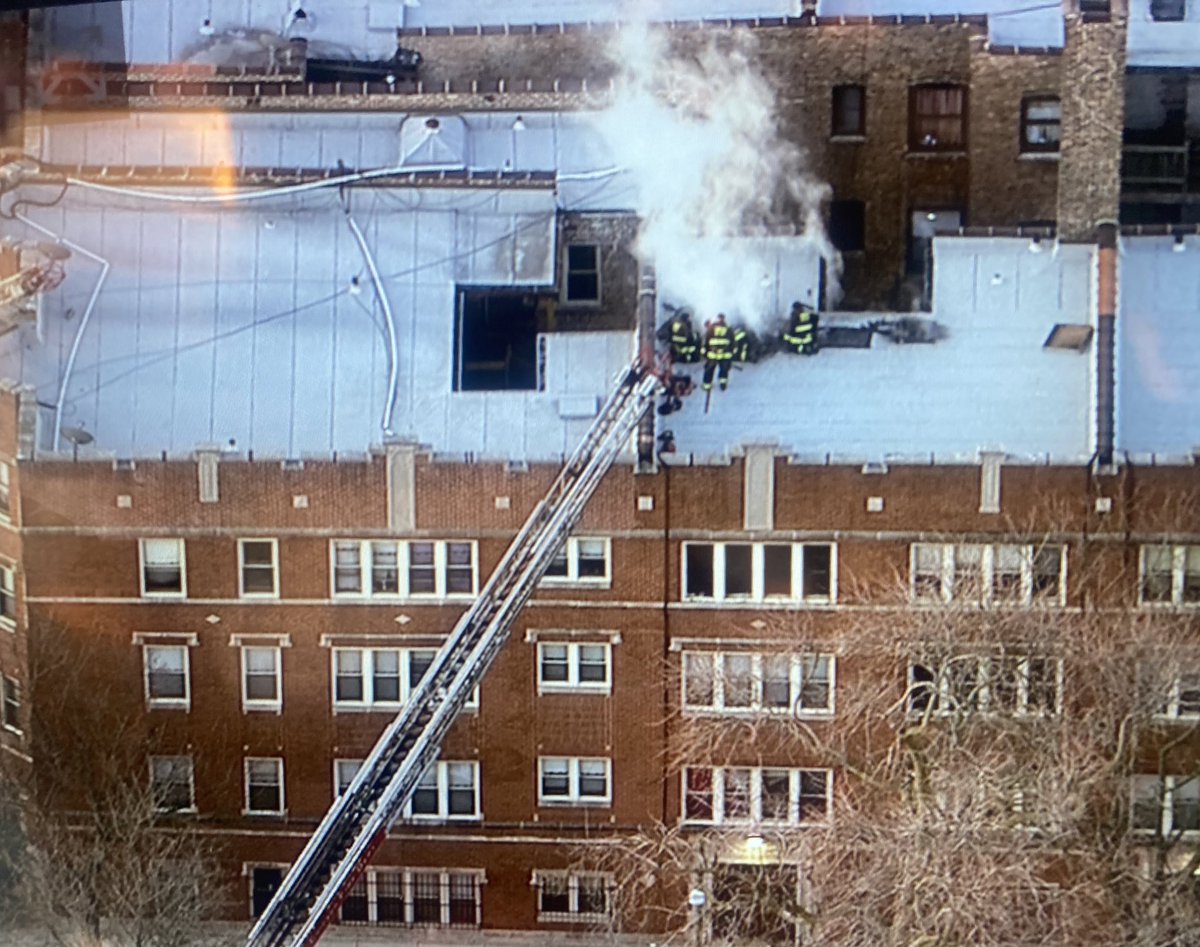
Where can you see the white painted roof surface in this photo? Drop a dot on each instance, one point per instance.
(989, 386)
(1171, 44)
(237, 323)
(1158, 352)
(1010, 22)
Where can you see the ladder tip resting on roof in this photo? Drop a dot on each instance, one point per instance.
(357, 822)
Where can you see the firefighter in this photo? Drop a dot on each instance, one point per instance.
(801, 333)
(718, 352)
(743, 344)
(681, 338)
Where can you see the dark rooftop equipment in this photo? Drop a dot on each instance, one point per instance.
(403, 65)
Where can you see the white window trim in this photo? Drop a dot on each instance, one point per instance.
(573, 915)
(274, 544)
(1170, 707)
(756, 796)
(250, 704)
(368, 703)
(573, 796)
(247, 810)
(948, 553)
(1178, 571)
(9, 679)
(795, 688)
(443, 791)
(6, 491)
(573, 683)
(440, 569)
(370, 881)
(167, 703)
(337, 790)
(573, 579)
(8, 576)
(564, 296)
(947, 702)
(1166, 827)
(191, 781)
(183, 583)
(758, 574)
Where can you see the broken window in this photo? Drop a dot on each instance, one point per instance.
(817, 571)
(937, 118)
(758, 571)
(699, 563)
(496, 341)
(581, 281)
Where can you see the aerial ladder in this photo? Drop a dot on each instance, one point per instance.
(357, 822)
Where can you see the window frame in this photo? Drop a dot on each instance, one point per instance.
(1179, 573)
(572, 879)
(565, 296)
(839, 130)
(366, 569)
(367, 677)
(757, 594)
(167, 703)
(10, 704)
(1166, 804)
(574, 682)
(5, 492)
(1169, 709)
(191, 808)
(945, 703)
(406, 887)
(8, 594)
(573, 796)
(918, 144)
(950, 554)
(758, 704)
(1028, 147)
(247, 767)
(181, 545)
(252, 704)
(441, 769)
(573, 558)
(338, 763)
(717, 796)
(274, 546)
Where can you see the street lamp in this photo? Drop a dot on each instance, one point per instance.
(696, 901)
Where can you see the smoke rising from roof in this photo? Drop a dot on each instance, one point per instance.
(696, 124)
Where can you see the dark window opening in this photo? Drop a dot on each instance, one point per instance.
(582, 278)
(264, 883)
(777, 570)
(1168, 11)
(817, 571)
(495, 341)
(849, 110)
(937, 118)
(1041, 124)
(699, 571)
(738, 569)
(848, 225)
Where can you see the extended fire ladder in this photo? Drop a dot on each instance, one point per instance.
(356, 824)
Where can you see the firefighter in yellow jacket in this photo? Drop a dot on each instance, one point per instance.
(717, 352)
(801, 333)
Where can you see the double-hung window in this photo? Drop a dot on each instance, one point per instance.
(447, 790)
(414, 897)
(581, 561)
(756, 572)
(574, 780)
(262, 677)
(8, 594)
(10, 710)
(383, 678)
(404, 569)
(757, 795)
(849, 108)
(1170, 575)
(1166, 805)
(1182, 700)
(581, 276)
(1041, 124)
(172, 784)
(572, 897)
(163, 567)
(5, 491)
(344, 772)
(1015, 685)
(988, 574)
(264, 786)
(937, 117)
(574, 666)
(258, 568)
(166, 674)
(748, 682)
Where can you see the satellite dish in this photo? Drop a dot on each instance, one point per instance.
(78, 436)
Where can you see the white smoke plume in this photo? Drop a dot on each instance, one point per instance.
(698, 131)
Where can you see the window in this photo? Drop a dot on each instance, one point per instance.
(739, 682)
(257, 567)
(344, 772)
(1182, 699)
(262, 684)
(581, 281)
(1041, 124)
(1168, 11)
(849, 111)
(5, 493)
(365, 678)
(496, 344)
(989, 574)
(408, 569)
(172, 784)
(406, 897)
(759, 571)
(848, 225)
(8, 594)
(757, 795)
(999, 683)
(10, 712)
(166, 674)
(264, 786)
(572, 666)
(568, 897)
(447, 790)
(937, 118)
(573, 780)
(163, 570)
(264, 882)
(1170, 575)
(581, 562)
(1166, 804)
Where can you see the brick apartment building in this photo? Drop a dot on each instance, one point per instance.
(205, 525)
